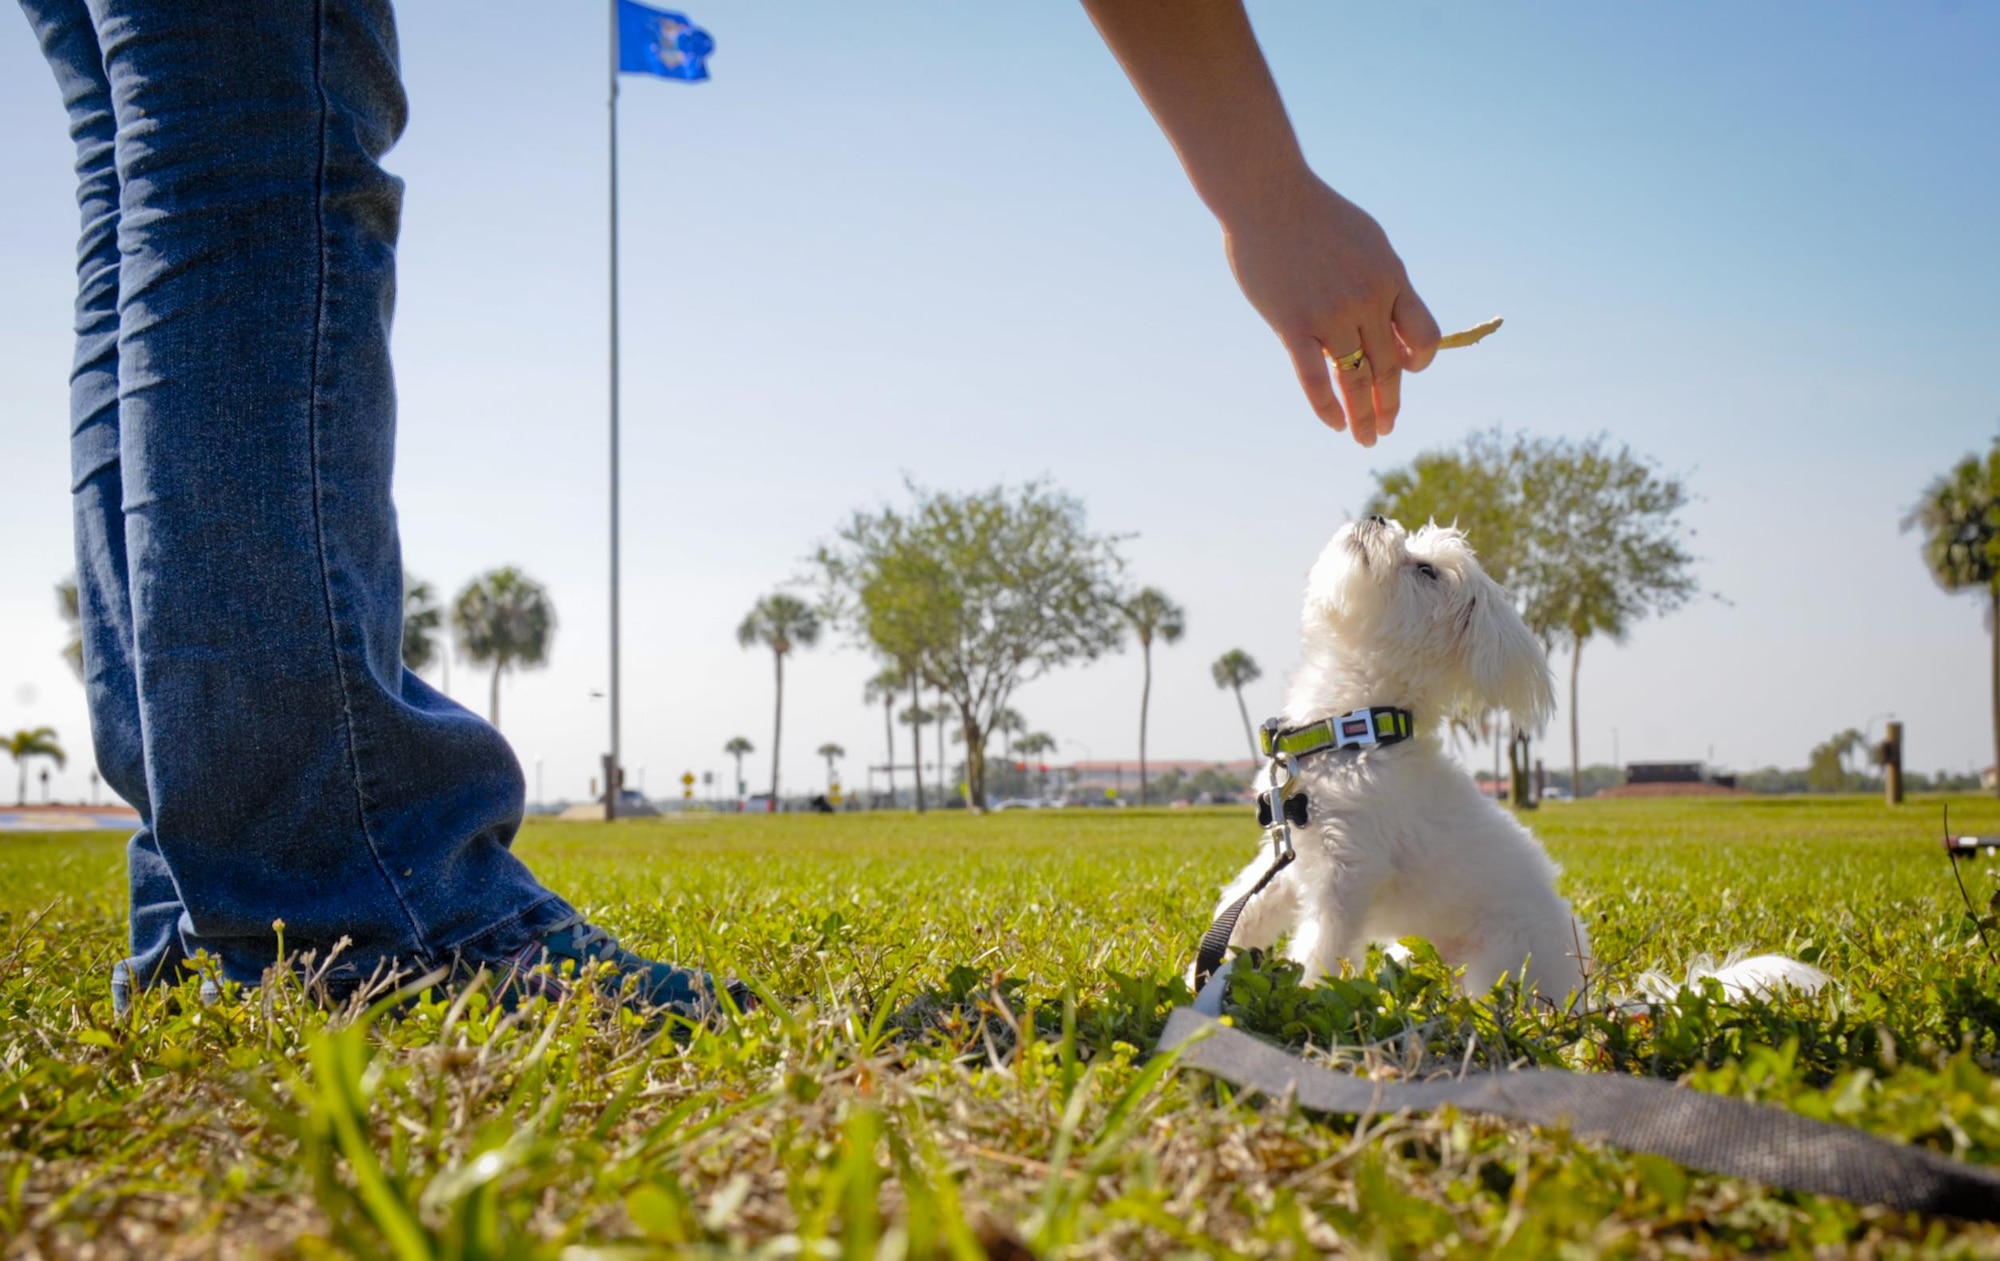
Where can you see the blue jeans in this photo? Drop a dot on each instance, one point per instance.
(233, 426)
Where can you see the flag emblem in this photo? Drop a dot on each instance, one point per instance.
(654, 41)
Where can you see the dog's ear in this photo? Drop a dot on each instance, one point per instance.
(1506, 663)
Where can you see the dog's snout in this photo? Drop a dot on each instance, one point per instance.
(1377, 519)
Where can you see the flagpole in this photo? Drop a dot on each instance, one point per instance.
(613, 763)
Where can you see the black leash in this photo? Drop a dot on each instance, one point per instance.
(1713, 1133)
(1215, 942)
(1276, 814)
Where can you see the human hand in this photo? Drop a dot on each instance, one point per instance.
(1322, 274)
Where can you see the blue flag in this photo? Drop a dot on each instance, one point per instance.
(653, 41)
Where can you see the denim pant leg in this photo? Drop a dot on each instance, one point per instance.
(292, 769)
(104, 596)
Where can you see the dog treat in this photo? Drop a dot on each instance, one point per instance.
(1469, 337)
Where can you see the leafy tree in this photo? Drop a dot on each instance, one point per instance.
(1216, 782)
(780, 622)
(1605, 549)
(1233, 669)
(1475, 487)
(69, 605)
(1170, 785)
(738, 747)
(504, 619)
(422, 618)
(979, 593)
(1153, 616)
(30, 743)
(830, 751)
(883, 687)
(1586, 536)
(1960, 519)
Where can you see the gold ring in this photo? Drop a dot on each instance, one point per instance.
(1349, 362)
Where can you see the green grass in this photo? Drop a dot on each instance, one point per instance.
(264, 1125)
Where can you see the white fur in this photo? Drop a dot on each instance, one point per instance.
(1401, 842)
(1759, 976)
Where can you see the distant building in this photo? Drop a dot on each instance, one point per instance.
(1664, 773)
(1670, 779)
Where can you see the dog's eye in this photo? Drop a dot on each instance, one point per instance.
(1428, 571)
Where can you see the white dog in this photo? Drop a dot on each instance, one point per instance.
(1399, 841)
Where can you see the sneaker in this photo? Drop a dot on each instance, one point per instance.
(537, 969)
(124, 986)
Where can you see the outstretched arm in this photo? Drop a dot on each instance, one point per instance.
(1315, 265)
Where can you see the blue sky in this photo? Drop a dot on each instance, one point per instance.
(946, 242)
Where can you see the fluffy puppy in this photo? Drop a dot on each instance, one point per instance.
(1400, 842)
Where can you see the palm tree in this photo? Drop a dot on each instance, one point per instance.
(1232, 670)
(36, 742)
(1009, 723)
(830, 751)
(69, 604)
(736, 748)
(1152, 615)
(503, 619)
(916, 716)
(1960, 519)
(883, 687)
(779, 622)
(422, 617)
(1036, 744)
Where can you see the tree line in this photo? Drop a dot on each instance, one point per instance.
(968, 597)
(971, 596)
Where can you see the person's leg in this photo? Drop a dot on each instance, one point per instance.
(292, 768)
(103, 594)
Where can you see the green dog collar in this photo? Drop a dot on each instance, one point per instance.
(1362, 729)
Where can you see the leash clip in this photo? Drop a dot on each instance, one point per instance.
(1283, 772)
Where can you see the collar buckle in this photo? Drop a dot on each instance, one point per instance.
(1353, 731)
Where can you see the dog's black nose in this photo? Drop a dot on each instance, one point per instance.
(1378, 519)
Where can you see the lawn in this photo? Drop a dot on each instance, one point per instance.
(1045, 951)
